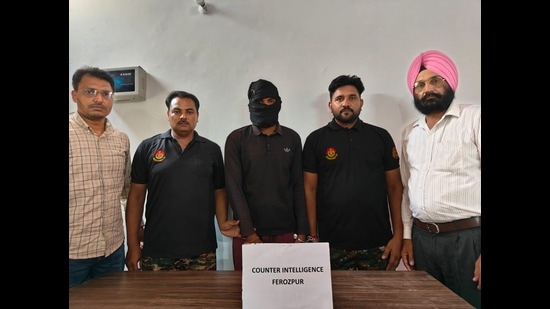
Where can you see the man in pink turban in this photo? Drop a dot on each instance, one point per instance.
(437, 62)
(441, 170)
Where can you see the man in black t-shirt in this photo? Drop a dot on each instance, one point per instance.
(263, 174)
(353, 186)
(181, 175)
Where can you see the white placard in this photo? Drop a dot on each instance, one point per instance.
(286, 275)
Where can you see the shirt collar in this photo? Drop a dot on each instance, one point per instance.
(335, 126)
(80, 121)
(256, 130)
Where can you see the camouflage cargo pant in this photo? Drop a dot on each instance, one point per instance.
(367, 259)
(205, 261)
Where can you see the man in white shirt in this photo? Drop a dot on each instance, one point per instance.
(441, 170)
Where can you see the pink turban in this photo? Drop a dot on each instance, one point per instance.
(437, 62)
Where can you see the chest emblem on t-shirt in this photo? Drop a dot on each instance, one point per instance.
(331, 153)
(159, 156)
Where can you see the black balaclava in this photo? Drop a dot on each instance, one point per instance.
(263, 115)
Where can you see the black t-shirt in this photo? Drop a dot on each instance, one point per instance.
(180, 207)
(352, 204)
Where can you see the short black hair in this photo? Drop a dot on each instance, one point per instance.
(181, 94)
(344, 80)
(94, 72)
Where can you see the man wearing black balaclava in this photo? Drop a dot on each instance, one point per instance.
(263, 175)
(263, 115)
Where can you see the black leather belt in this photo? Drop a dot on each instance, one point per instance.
(436, 228)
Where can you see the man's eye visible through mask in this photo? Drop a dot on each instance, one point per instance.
(268, 101)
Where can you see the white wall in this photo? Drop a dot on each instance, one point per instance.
(298, 45)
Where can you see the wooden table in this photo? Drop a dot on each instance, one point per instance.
(222, 289)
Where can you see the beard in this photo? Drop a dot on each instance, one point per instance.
(434, 102)
(346, 118)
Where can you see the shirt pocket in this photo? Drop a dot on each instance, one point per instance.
(447, 156)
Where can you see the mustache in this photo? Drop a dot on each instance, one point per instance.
(432, 94)
(346, 108)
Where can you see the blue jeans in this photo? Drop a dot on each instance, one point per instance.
(81, 270)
